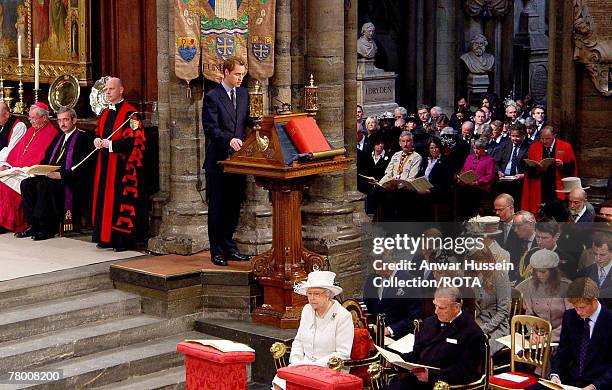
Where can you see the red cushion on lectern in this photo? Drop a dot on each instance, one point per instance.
(319, 378)
(213, 354)
(532, 380)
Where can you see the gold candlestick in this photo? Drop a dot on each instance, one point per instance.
(2, 79)
(256, 114)
(20, 106)
(311, 101)
(7, 98)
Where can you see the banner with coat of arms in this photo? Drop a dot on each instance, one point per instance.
(187, 33)
(261, 38)
(222, 29)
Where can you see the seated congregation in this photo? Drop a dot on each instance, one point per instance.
(57, 181)
(546, 322)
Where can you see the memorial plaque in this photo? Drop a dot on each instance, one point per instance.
(378, 91)
(375, 88)
(539, 79)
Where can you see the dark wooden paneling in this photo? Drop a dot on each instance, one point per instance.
(127, 42)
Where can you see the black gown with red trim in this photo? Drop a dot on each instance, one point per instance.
(119, 201)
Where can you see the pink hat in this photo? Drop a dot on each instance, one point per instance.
(41, 105)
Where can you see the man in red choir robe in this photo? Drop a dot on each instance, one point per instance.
(118, 199)
(29, 151)
(540, 185)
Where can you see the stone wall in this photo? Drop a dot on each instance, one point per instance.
(576, 108)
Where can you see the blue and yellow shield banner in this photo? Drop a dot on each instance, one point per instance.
(261, 38)
(187, 33)
(224, 30)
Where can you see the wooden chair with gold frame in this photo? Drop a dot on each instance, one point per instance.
(517, 307)
(281, 352)
(525, 349)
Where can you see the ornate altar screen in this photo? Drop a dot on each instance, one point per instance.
(61, 27)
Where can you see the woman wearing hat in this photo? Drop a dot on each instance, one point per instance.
(492, 299)
(326, 328)
(543, 292)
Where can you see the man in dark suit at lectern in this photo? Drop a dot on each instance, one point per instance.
(225, 114)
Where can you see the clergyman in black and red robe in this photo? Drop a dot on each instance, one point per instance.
(119, 202)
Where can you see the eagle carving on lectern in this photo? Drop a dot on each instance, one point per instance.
(487, 8)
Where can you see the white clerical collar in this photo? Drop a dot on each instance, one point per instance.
(67, 135)
(113, 106)
(457, 316)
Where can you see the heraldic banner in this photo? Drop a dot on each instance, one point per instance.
(187, 33)
(261, 38)
(224, 29)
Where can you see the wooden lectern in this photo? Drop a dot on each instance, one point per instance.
(270, 156)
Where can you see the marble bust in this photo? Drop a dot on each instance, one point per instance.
(477, 60)
(366, 47)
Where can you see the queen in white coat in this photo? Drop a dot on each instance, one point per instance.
(326, 328)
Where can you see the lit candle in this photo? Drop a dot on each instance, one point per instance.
(36, 66)
(19, 50)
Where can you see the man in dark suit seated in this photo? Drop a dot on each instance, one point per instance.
(584, 355)
(401, 306)
(450, 341)
(57, 197)
(601, 270)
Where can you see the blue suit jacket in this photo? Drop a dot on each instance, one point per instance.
(400, 306)
(598, 365)
(222, 123)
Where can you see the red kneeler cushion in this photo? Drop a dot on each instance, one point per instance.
(209, 368)
(363, 347)
(307, 377)
(532, 380)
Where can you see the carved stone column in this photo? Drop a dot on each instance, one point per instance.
(183, 228)
(353, 197)
(280, 88)
(298, 52)
(531, 67)
(328, 219)
(446, 54)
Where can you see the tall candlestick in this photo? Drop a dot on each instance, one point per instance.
(19, 50)
(36, 66)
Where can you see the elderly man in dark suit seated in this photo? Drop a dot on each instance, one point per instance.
(450, 341)
(584, 356)
(381, 294)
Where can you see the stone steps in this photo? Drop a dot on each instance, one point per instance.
(62, 313)
(82, 340)
(171, 379)
(116, 365)
(54, 285)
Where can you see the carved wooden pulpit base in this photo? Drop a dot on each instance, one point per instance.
(288, 262)
(270, 159)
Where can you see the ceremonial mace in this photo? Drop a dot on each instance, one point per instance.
(107, 138)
